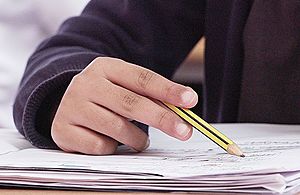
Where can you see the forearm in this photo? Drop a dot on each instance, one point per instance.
(141, 32)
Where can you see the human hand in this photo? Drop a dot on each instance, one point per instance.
(93, 114)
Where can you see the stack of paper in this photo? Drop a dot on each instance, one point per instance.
(272, 163)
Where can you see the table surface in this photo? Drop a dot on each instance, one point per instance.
(65, 192)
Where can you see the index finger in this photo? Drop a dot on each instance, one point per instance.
(148, 83)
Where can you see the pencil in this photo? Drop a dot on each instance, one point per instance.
(209, 131)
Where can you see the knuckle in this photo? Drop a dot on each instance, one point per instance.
(119, 125)
(100, 61)
(100, 64)
(96, 67)
(78, 77)
(141, 144)
(164, 119)
(130, 101)
(144, 79)
(116, 60)
(102, 147)
(81, 85)
(168, 91)
(98, 147)
(77, 80)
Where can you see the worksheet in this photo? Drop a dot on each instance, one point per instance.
(272, 163)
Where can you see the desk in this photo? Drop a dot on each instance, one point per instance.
(58, 192)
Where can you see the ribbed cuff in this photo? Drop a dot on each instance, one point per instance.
(34, 103)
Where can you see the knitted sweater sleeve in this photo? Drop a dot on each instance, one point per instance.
(154, 34)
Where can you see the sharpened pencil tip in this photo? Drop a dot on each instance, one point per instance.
(235, 150)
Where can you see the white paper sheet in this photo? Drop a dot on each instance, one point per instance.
(272, 163)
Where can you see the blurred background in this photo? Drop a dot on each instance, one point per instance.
(25, 23)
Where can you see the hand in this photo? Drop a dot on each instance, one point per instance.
(94, 111)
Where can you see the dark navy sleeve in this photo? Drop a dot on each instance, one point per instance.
(155, 34)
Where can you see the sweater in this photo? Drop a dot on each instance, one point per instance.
(155, 34)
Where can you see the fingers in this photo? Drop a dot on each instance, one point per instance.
(110, 124)
(142, 109)
(148, 83)
(72, 138)
(93, 114)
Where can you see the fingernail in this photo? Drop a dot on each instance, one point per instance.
(147, 144)
(182, 130)
(145, 147)
(188, 97)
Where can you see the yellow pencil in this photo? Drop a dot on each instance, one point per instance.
(206, 129)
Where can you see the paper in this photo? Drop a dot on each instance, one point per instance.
(272, 163)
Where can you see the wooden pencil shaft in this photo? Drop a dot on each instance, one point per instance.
(207, 130)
